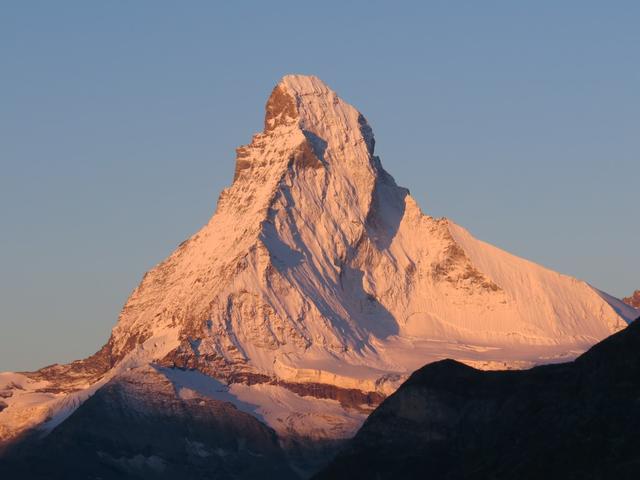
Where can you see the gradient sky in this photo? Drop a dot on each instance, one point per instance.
(119, 119)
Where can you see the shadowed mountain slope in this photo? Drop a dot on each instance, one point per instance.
(135, 427)
(450, 421)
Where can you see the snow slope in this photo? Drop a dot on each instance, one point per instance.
(318, 285)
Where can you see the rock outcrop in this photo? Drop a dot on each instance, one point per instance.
(633, 300)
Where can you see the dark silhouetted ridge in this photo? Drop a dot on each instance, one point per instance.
(573, 420)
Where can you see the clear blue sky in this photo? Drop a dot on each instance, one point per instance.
(119, 119)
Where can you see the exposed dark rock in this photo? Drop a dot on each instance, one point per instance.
(448, 420)
(281, 109)
(305, 156)
(348, 397)
(75, 375)
(217, 367)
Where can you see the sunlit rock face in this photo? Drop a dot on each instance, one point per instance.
(633, 300)
(316, 287)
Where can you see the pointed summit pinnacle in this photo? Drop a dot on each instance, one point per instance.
(306, 125)
(306, 101)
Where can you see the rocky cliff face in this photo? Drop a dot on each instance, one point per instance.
(574, 420)
(317, 286)
(633, 300)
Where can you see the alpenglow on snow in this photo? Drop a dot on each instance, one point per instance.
(317, 286)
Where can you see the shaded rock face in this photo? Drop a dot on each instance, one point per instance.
(136, 427)
(574, 420)
(633, 300)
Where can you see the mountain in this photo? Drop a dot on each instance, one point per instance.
(135, 426)
(448, 420)
(315, 289)
(633, 300)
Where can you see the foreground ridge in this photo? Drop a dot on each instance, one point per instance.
(448, 420)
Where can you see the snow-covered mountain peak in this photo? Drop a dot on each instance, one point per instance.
(316, 259)
(308, 132)
(306, 101)
(318, 284)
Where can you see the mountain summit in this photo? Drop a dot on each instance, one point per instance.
(317, 286)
